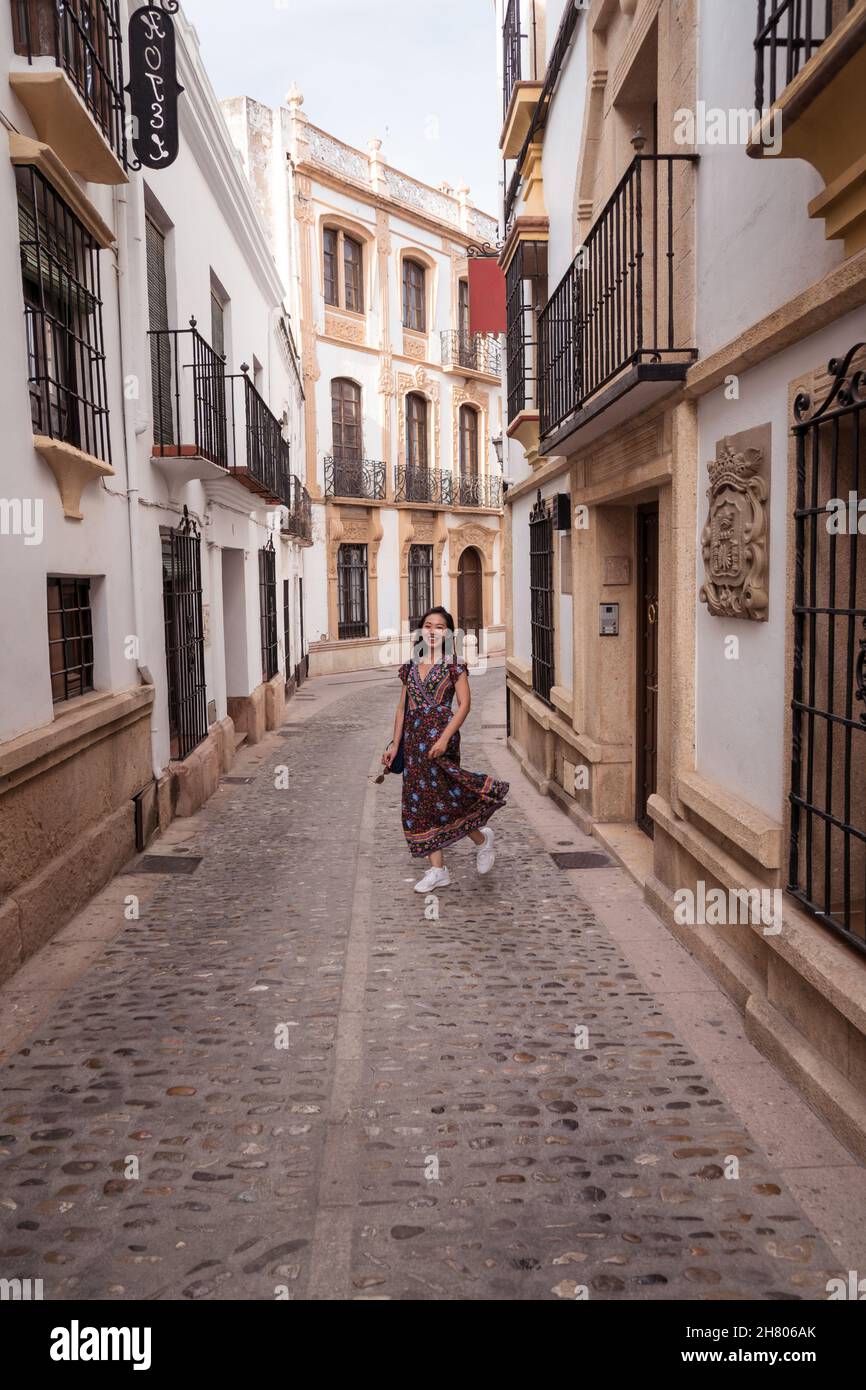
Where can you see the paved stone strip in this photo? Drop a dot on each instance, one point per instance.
(164, 1053)
(430, 1131)
(506, 1156)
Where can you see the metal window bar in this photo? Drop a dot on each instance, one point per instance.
(268, 609)
(184, 636)
(525, 279)
(85, 39)
(352, 592)
(70, 638)
(354, 478)
(541, 596)
(477, 352)
(188, 382)
(60, 269)
(615, 306)
(789, 33)
(420, 583)
(827, 849)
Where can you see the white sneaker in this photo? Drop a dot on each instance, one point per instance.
(433, 879)
(485, 855)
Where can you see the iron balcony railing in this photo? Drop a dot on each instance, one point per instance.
(347, 477)
(511, 44)
(260, 456)
(84, 38)
(188, 382)
(467, 490)
(444, 489)
(615, 307)
(477, 352)
(789, 32)
(299, 518)
(417, 484)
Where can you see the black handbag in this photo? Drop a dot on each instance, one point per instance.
(397, 760)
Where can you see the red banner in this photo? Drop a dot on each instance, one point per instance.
(486, 295)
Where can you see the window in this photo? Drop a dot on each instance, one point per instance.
(184, 637)
(346, 420)
(463, 310)
(352, 274)
(268, 609)
(416, 432)
(526, 296)
(352, 591)
(217, 324)
(63, 311)
(160, 342)
(414, 278)
(70, 638)
(420, 583)
(541, 596)
(468, 442)
(343, 270)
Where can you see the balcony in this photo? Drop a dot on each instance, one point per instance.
(616, 332)
(207, 425)
(72, 87)
(810, 73)
(189, 402)
(261, 458)
(468, 490)
(363, 479)
(298, 521)
(520, 87)
(471, 352)
(418, 485)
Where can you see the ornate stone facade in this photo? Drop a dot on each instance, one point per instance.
(735, 539)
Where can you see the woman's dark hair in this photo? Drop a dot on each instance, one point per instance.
(419, 642)
(441, 613)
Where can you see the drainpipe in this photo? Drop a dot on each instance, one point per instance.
(124, 210)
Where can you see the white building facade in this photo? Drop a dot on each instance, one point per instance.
(154, 523)
(403, 404)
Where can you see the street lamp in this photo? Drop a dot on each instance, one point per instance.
(497, 444)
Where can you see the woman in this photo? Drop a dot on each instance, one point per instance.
(441, 801)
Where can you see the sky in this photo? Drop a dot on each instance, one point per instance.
(419, 74)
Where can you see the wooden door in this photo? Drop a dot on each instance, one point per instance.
(470, 612)
(647, 661)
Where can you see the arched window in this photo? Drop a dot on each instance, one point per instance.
(416, 432)
(414, 309)
(343, 270)
(468, 442)
(346, 420)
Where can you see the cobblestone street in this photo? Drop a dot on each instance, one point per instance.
(431, 1130)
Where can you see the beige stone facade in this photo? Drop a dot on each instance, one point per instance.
(658, 710)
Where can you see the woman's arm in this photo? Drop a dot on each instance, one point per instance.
(464, 704)
(391, 751)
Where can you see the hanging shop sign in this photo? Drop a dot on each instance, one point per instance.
(153, 87)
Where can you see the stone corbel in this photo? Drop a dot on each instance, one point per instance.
(72, 469)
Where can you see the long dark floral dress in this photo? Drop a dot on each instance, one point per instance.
(442, 802)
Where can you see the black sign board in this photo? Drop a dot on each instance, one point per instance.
(153, 87)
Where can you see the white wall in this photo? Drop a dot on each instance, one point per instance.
(756, 247)
(740, 704)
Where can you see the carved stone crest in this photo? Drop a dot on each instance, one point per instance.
(735, 538)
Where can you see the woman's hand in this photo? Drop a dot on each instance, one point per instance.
(389, 755)
(438, 748)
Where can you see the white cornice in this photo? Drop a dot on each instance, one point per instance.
(203, 127)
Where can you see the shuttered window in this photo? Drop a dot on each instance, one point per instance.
(160, 342)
